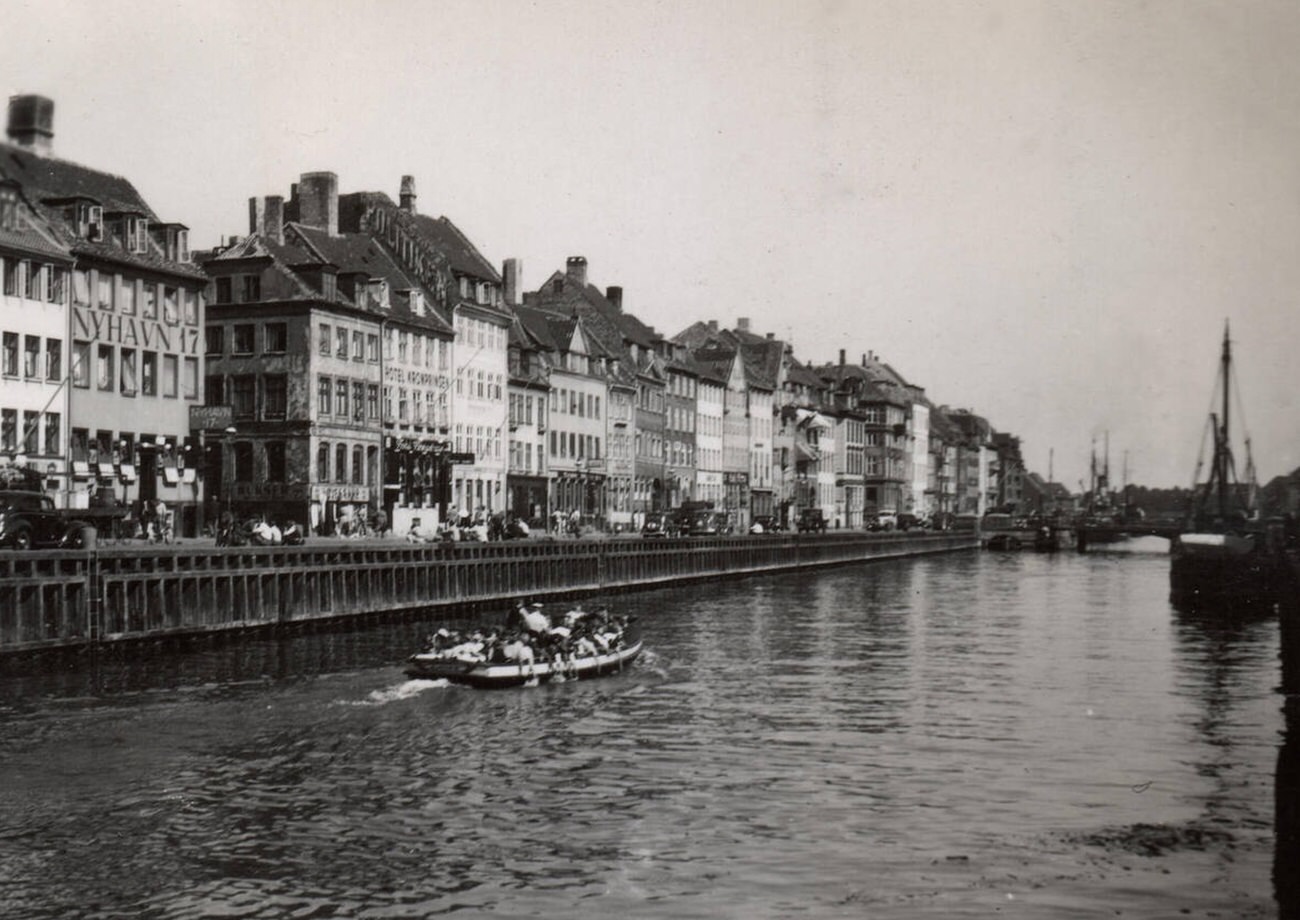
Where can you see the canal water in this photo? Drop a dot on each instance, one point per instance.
(969, 735)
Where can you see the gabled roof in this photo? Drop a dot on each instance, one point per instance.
(440, 233)
(586, 298)
(32, 234)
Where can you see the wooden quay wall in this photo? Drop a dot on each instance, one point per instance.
(74, 598)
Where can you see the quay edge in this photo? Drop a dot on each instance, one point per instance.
(68, 600)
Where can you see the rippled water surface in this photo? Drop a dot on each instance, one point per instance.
(960, 736)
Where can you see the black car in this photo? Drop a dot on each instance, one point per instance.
(811, 520)
(30, 520)
(767, 523)
(659, 524)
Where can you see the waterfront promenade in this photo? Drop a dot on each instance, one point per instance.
(51, 600)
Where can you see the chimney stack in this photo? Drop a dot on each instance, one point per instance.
(256, 214)
(614, 294)
(407, 195)
(771, 336)
(841, 357)
(510, 271)
(318, 201)
(273, 218)
(31, 123)
(713, 325)
(864, 360)
(742, 323)
(576, 268)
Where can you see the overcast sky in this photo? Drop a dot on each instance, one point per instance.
(1043, 212)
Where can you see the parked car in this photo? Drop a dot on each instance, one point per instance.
(709, 524)
(884, 520)
(29, 520)
(908, 521)
(765, 523)
(659, 524)
(811, 520)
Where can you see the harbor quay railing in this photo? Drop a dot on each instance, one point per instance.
(71, 598)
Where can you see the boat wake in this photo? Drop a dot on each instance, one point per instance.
(403, 691)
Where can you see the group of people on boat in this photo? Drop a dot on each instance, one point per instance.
(530, 637)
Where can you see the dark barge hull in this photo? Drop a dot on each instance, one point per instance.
(484, 675)
(1255, 581)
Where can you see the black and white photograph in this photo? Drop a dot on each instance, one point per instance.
(653, 459)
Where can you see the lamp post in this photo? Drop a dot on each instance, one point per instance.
(227, 471)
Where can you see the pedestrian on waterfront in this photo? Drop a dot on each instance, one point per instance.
(575, 522)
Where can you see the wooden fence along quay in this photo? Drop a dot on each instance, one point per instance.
(67, 599)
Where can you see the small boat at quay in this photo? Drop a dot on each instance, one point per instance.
(529, 650)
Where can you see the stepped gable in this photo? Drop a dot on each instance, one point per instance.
(49, 183)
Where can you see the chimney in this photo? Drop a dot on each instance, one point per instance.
(864, 360)
(713, 325)
(318, 201)
(273, 221)
(614, 294)
(31, 123)
(256, 215)
(510, 272)
(742, 324)
(771, 336)
(576, 268)
(407, 195)
(841, 357)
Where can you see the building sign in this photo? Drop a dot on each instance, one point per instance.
(340, 493)
(132, 332)
(736, 479)
(269, 491)
(411, 377)
(211, 417)
(460, 458)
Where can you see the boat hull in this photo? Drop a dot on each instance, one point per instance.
(1225, 573)
(483, 674)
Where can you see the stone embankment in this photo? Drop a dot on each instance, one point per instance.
(115, 595)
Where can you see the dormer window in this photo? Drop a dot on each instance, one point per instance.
(95, 223)
(135, 234)
(379, 292)
(464, 286)
(8, 208)
(417, 303)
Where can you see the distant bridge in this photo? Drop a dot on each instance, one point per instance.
(1085, 534)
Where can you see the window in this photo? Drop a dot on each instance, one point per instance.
(358, 346)
(33, 289)
(223, 290)
(243, 395)
(53, 359)
(169, 376)
(252, 288)
(149, 301)
(277, 337)
(242, 340)
(341, 463)
(53, 434)
(104, 376)
(9, 359)
(214, 390)
(243, 451)
(341, 397)
(171, 306)
(81, 364)
(11, 268)
(325, 338)
(402, 345)
(275, 466)
(129, 381)
(402, 406)
(190, 305)
(126, 298)
(55, 282)
(31, 431)
(372, 400)
(9, 430)
(358, 467)
(323, 462)
(190, 378)
(149, 373)
(106, 289)
(276, 396)
(358, 402)
(372, 348)
(341, 343)
(324, 394)
(214, 340)
(31, 356)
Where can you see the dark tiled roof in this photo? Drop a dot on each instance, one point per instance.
(439, 232)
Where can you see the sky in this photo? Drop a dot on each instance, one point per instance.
(1043, 212)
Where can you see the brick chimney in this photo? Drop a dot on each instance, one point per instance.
(742, 323)
(256, 214)
(407, 195)
(614, 294)
(318, 201)
(31, 123)
(841, 357)
(713, 325)
(273, 221)
(576, 268)
(510, 272)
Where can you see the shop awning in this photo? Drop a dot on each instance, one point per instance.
(128, 472)
(106, 470)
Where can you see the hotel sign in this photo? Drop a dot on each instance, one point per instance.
(340, 493)
(211, 417)
(133, 332)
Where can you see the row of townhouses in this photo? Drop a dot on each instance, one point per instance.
(353, 354)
